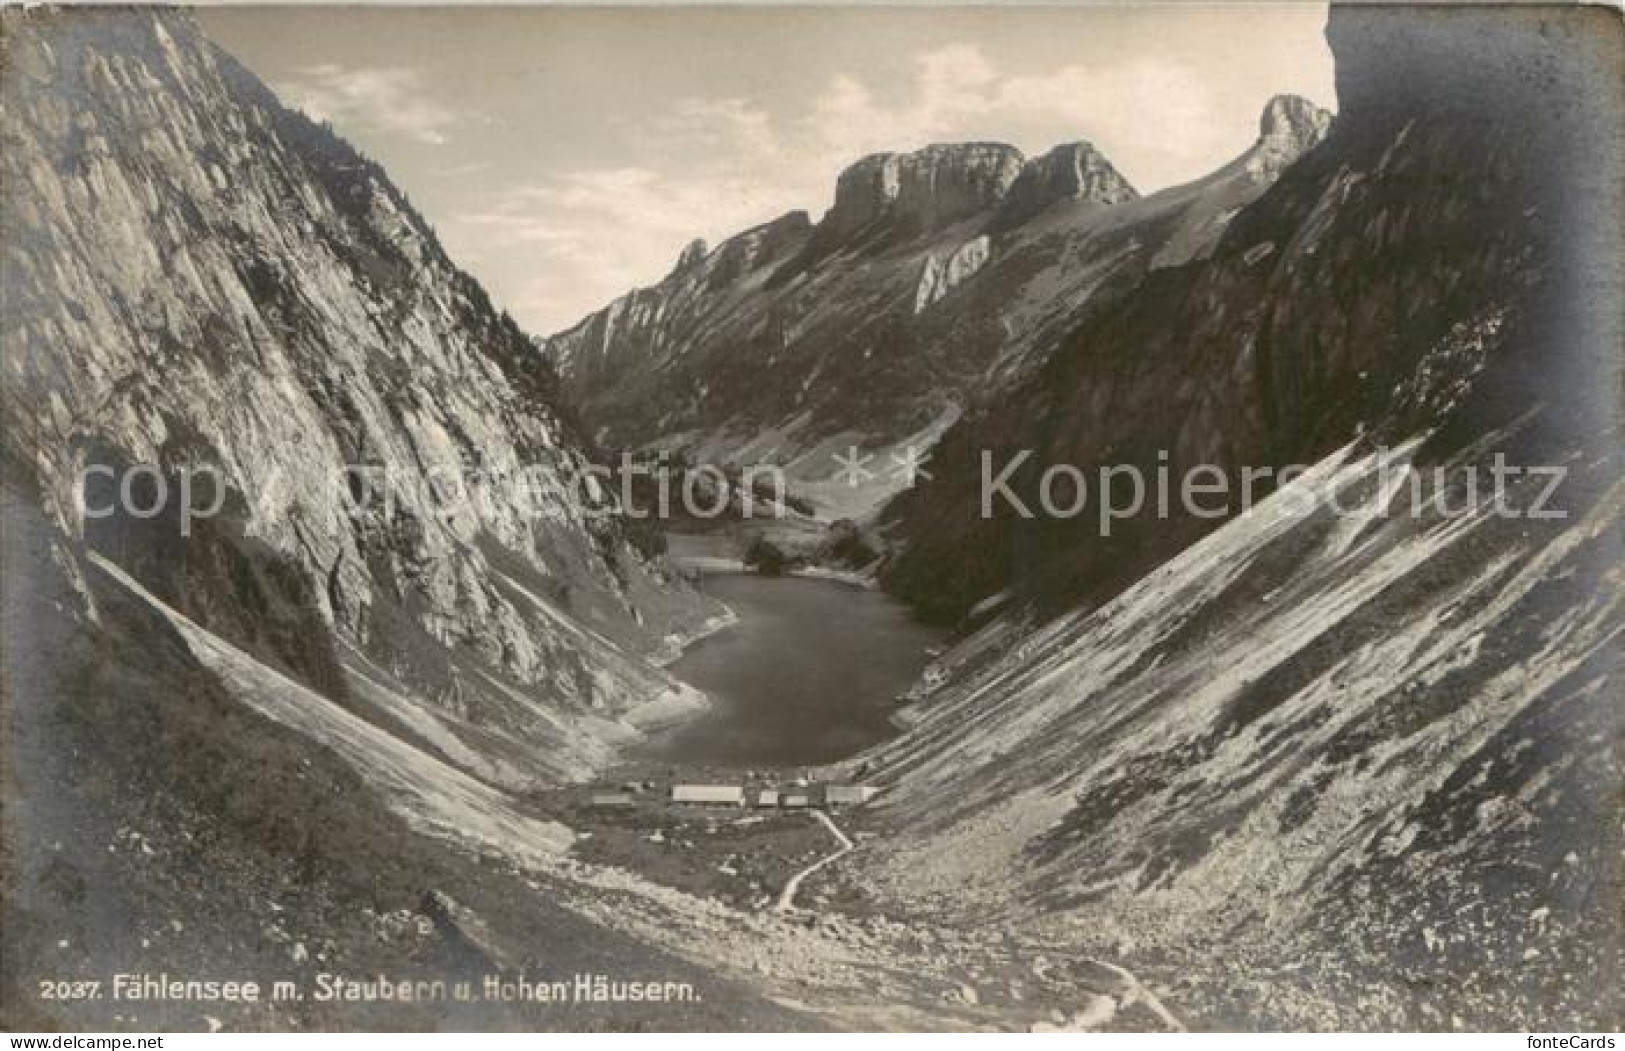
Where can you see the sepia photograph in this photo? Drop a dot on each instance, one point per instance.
(1080, 517)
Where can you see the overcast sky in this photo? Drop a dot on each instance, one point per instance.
(567, 155)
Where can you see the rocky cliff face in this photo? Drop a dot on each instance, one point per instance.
(1375, 743)
(921, 191)
(934, 275)
(1075, 171)
(1289, 126)
(201, 280)
(942, 275)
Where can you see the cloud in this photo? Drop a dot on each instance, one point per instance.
(729, 124)
(1154, 118)
(393, 101)
(596, 234)
(452, 171)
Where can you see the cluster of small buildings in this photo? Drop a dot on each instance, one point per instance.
(793, 797)
(797, 796)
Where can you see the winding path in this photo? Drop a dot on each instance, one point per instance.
(787, 896)
(1132, 989)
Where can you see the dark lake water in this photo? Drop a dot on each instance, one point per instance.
(807, 676)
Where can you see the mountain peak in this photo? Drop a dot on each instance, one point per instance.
(1289, 126)
(926, 190)
(692, 255)
(1072, 171)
